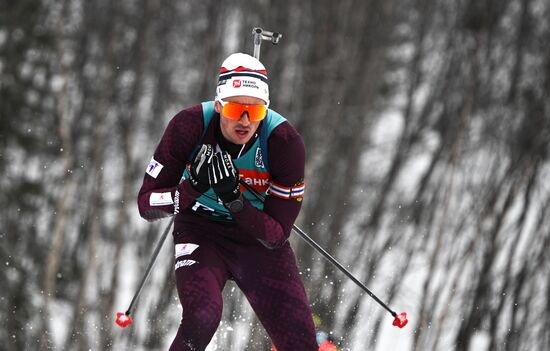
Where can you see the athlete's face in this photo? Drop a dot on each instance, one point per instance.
(238, 131)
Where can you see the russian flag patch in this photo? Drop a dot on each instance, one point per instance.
(293, 192)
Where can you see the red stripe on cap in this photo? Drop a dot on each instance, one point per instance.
(242, 69)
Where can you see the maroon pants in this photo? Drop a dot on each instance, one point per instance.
(268, 278)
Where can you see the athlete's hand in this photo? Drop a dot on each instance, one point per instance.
(224, 177)
(199, 168)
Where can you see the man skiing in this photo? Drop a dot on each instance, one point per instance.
(221, 230)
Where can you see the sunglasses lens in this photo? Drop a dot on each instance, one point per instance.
(257, 112)
(234, 111)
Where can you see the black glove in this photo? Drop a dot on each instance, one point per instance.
(224, 177)
(198, 172)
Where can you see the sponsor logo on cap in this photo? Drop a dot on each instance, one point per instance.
(237, 83)
(250, 84)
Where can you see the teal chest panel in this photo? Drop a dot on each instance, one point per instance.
(253, 167)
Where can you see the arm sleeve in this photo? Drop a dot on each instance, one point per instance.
(272, 226)
(161, 187)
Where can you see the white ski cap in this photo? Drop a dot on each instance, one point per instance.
(242, 74)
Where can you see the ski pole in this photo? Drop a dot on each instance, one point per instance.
(400, 320)
(124, 319)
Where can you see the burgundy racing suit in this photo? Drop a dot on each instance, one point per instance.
(252, 250)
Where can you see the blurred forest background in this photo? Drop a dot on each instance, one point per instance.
(427, 127)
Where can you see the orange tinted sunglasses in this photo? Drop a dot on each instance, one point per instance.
(234, 111)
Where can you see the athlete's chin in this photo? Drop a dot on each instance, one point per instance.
(241, 138)
(239, 141)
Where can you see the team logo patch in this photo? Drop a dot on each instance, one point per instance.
(236, 83)
(160, 199)
(185, 249)
(258, 160)
(154, 168)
